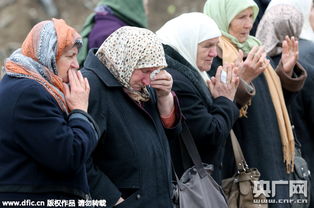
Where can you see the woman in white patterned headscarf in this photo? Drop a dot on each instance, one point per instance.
(131, 100)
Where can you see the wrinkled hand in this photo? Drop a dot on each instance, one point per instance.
(218, 88)
(290, 54)
(162, 83)
(254, 64)
(77, 94)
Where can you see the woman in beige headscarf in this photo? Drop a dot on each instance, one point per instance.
(265, 133)
(281, 20)
(133, 105)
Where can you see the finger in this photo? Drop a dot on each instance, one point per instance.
(66, 89)
(229, 73)
(73, 78)
(80, 78)
(296, 49)
(87, 87)
(213, 80)
(262, 60)
(210, 85)
(240, 57)
(252, 52)
(285, 49)
(218, 73)
(258, 54)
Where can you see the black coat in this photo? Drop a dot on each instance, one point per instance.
(43, 150)
(210, 120)
(259, 138)
(132, 159)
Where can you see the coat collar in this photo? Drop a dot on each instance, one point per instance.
(92, 63)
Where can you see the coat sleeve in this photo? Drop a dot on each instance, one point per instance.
(101, 186)
(210, 125)
(45, 133)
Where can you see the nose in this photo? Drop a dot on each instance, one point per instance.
(146, 79)
(75, 64)
(212, 52)
(248, 23)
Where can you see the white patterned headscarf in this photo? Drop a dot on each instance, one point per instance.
(185, 32)
(304, 6)
(277, 22)
(130, 48)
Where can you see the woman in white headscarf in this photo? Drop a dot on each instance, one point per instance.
(136, 111)
(207, 104)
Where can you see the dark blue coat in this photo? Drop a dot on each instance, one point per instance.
(132, 158)
(43, 150)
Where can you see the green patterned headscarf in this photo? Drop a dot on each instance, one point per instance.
(224, 11)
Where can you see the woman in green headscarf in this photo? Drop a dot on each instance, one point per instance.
(264, 131)
(109, 16)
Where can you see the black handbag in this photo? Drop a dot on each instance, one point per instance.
(301, 172)
(196, 188)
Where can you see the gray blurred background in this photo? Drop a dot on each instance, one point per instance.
(17, 17)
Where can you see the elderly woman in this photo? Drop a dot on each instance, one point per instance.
(286, 19)
(135, 111)
(190, 45)
(265, 133)
(46, 134)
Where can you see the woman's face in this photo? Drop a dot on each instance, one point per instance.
(206, 52)
(68, 60)
(141, 78)
(241, 25)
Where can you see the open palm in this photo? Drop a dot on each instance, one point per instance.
(289, 54)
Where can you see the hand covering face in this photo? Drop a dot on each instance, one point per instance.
(39, 54)
(130, 48)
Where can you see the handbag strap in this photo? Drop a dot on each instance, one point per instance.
(192, 150)
(238, 154)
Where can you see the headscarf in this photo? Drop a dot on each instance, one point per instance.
(39, 55)
(185, 32)
(224, 11)
(278, 21)
(131, 12)
(130, 48)
(304, 6)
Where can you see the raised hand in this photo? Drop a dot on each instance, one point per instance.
(77, 94)
(290, 54)
(254, 64)
(227, 87)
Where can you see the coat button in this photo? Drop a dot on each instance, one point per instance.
(138, 196)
